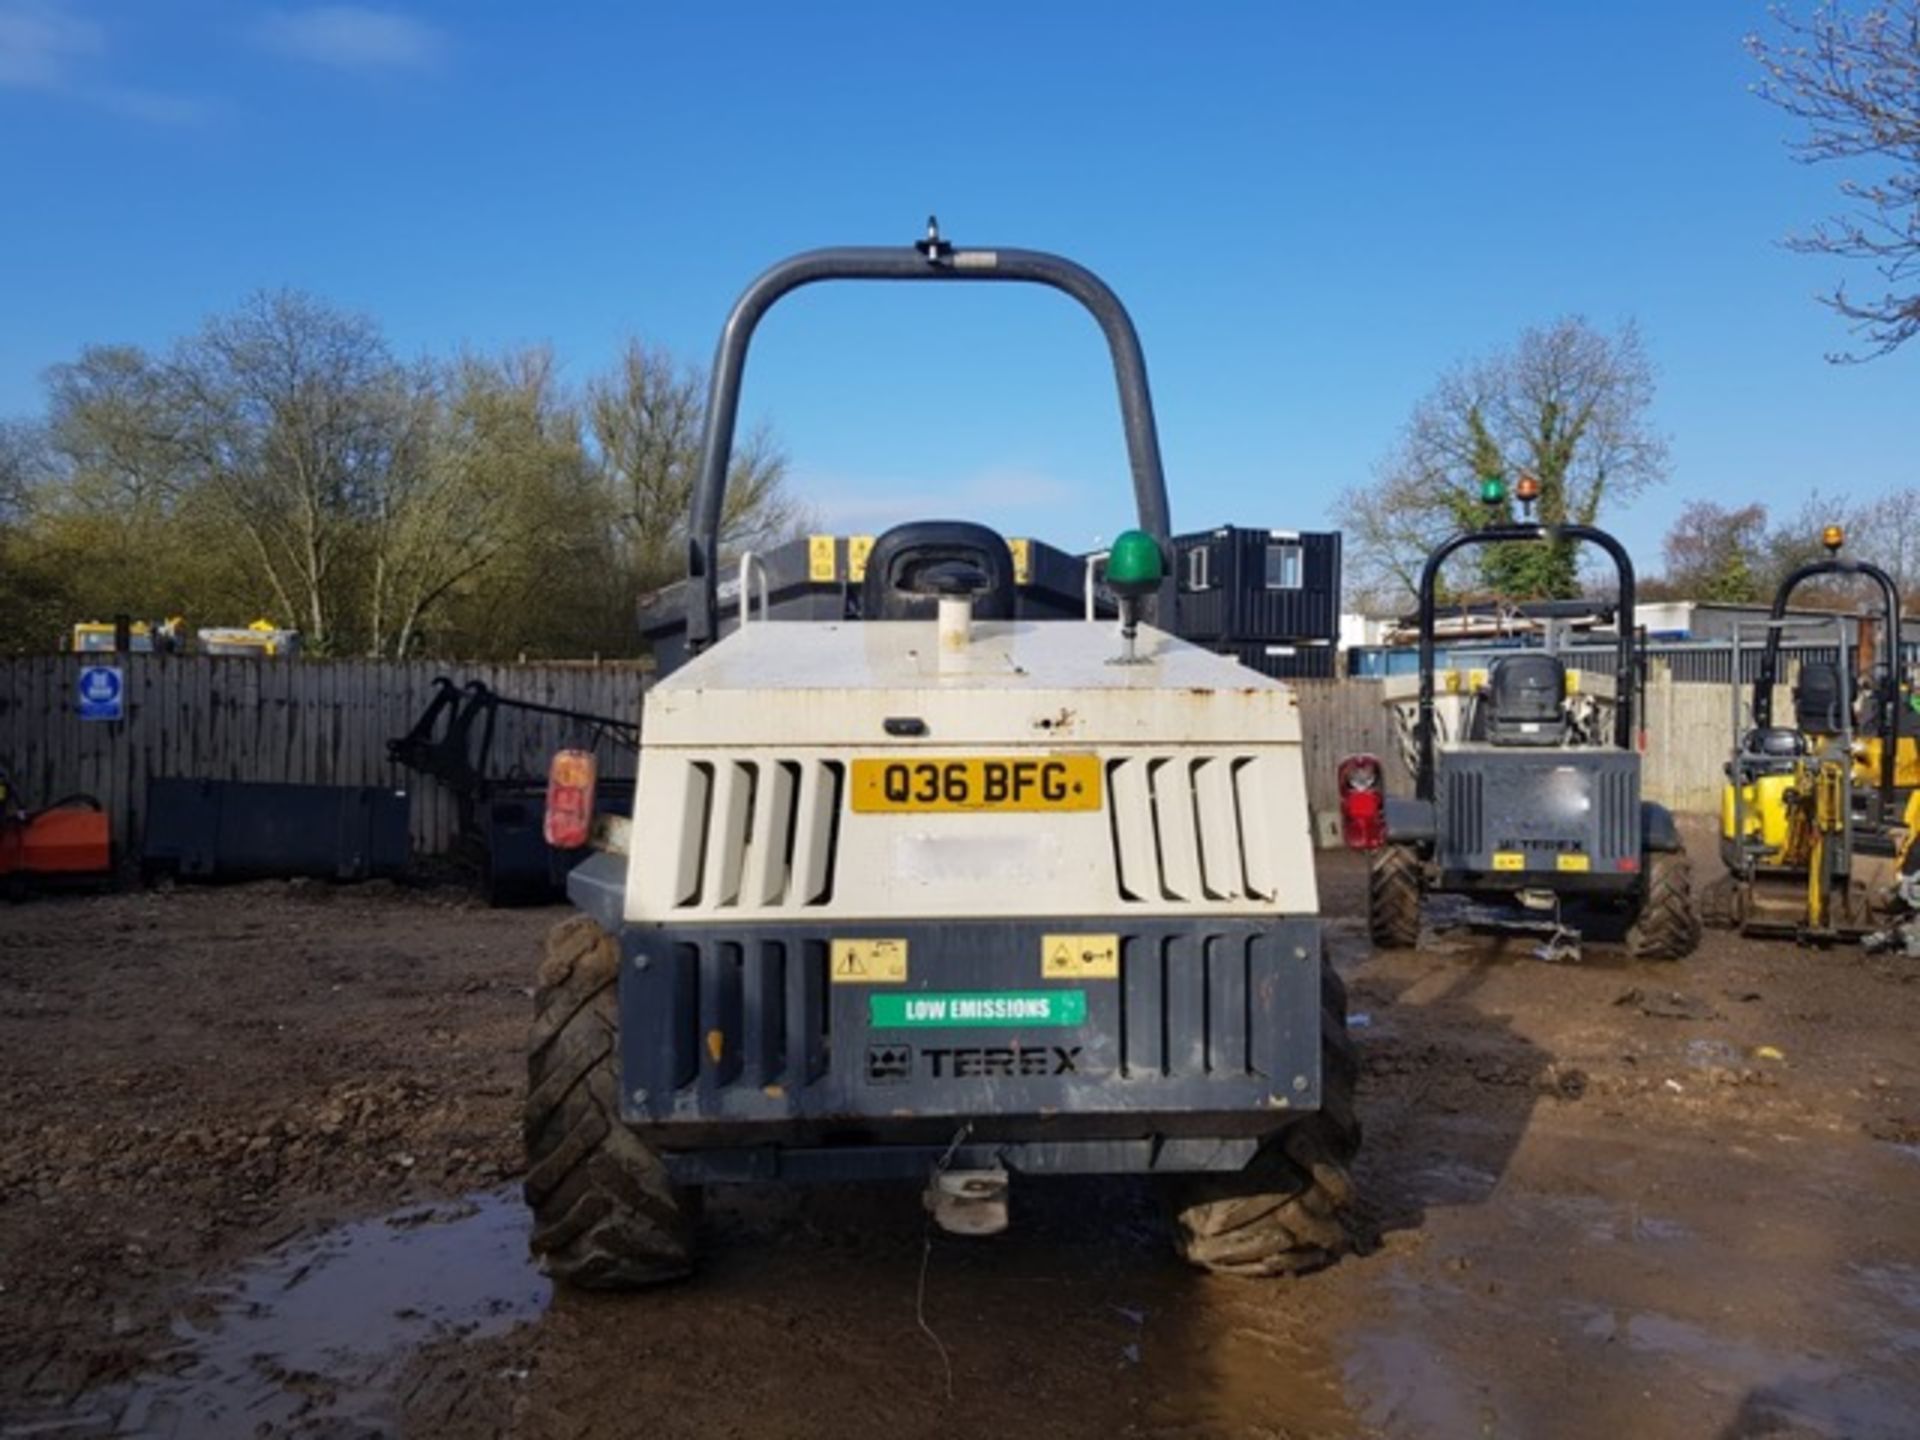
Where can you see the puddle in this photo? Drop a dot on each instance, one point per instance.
(1898, 1283)
(1455, 1182)
(1400, 1381)
(1603, 1222)
(1823, 1395)
(1399, 1384)
(312, 1335)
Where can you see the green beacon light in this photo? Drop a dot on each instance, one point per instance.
(1493, 489)
(1135, 567)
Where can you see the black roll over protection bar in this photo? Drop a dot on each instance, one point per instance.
(1623, 673)
(931, 258)
(1887, 696)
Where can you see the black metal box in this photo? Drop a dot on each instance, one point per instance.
(242, 829)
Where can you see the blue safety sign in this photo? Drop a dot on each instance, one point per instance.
(102, 693)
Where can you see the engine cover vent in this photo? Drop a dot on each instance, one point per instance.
(1193, 829)
(758, 834)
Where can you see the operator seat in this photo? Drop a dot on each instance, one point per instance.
(1527, 700)
(911, 566)
(1817, 707)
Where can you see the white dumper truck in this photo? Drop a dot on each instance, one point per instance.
(947, 893)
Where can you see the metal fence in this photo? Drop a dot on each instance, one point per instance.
(308, 721)
(1696, 662)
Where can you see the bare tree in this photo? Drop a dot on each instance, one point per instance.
(1715, 552)
(1567, 404)
(1854, 80)
(1887, 532)
(645, 421)
(35, 589)
(116, 494)
(301, 425)
(502, 447)
(1883, 529)
(110, 422)
(24, 464)
(282, 461)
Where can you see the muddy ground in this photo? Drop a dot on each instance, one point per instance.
(258, 1146)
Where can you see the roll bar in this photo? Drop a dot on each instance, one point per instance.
(1494, 535)
(1886, 699)
(931, 258)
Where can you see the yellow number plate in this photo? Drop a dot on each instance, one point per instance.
(978, 783)
(869, 962)
(1079, 957)
(1575, 862)
(1509, 860)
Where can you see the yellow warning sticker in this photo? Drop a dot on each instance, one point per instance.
(1509, 860)
(821, 564)
(1022, 560)
(1575, 862)
(1079, 957)
(858, 548)
(868, 962)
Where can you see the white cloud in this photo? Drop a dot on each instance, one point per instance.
(47, 47)
(351, 37)
(154, 106)
(40, 42)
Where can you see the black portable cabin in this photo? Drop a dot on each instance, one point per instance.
(1269, 598)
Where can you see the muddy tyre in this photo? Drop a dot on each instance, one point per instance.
(1393, 898)
(1719, 904)
(605, 1214)
(1668, 925)
(1291, 1209)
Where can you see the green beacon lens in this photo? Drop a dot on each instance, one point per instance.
(1134, 566)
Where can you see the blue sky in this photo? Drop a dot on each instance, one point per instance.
(1310, 209)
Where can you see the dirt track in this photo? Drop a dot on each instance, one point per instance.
(257, 1149)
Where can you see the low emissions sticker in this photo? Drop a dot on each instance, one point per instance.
(1001, 1008)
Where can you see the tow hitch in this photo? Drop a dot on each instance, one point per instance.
(968, 1202)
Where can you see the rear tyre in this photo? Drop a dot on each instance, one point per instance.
(1393, 898)
(1290, 1210)
(606, 1216)
(1668, 925)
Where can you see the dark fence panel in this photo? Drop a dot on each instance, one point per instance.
(305, 721)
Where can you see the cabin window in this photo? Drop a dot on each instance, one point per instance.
(1197, 578)
(1284, 565)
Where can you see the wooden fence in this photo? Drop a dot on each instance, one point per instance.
(307, 721)
(1689, 730)
(328, 722)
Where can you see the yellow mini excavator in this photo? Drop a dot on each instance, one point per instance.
(1818, 818)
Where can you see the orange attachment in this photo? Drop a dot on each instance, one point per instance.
(70, 840)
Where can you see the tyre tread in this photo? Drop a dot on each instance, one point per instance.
(606, 1214)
